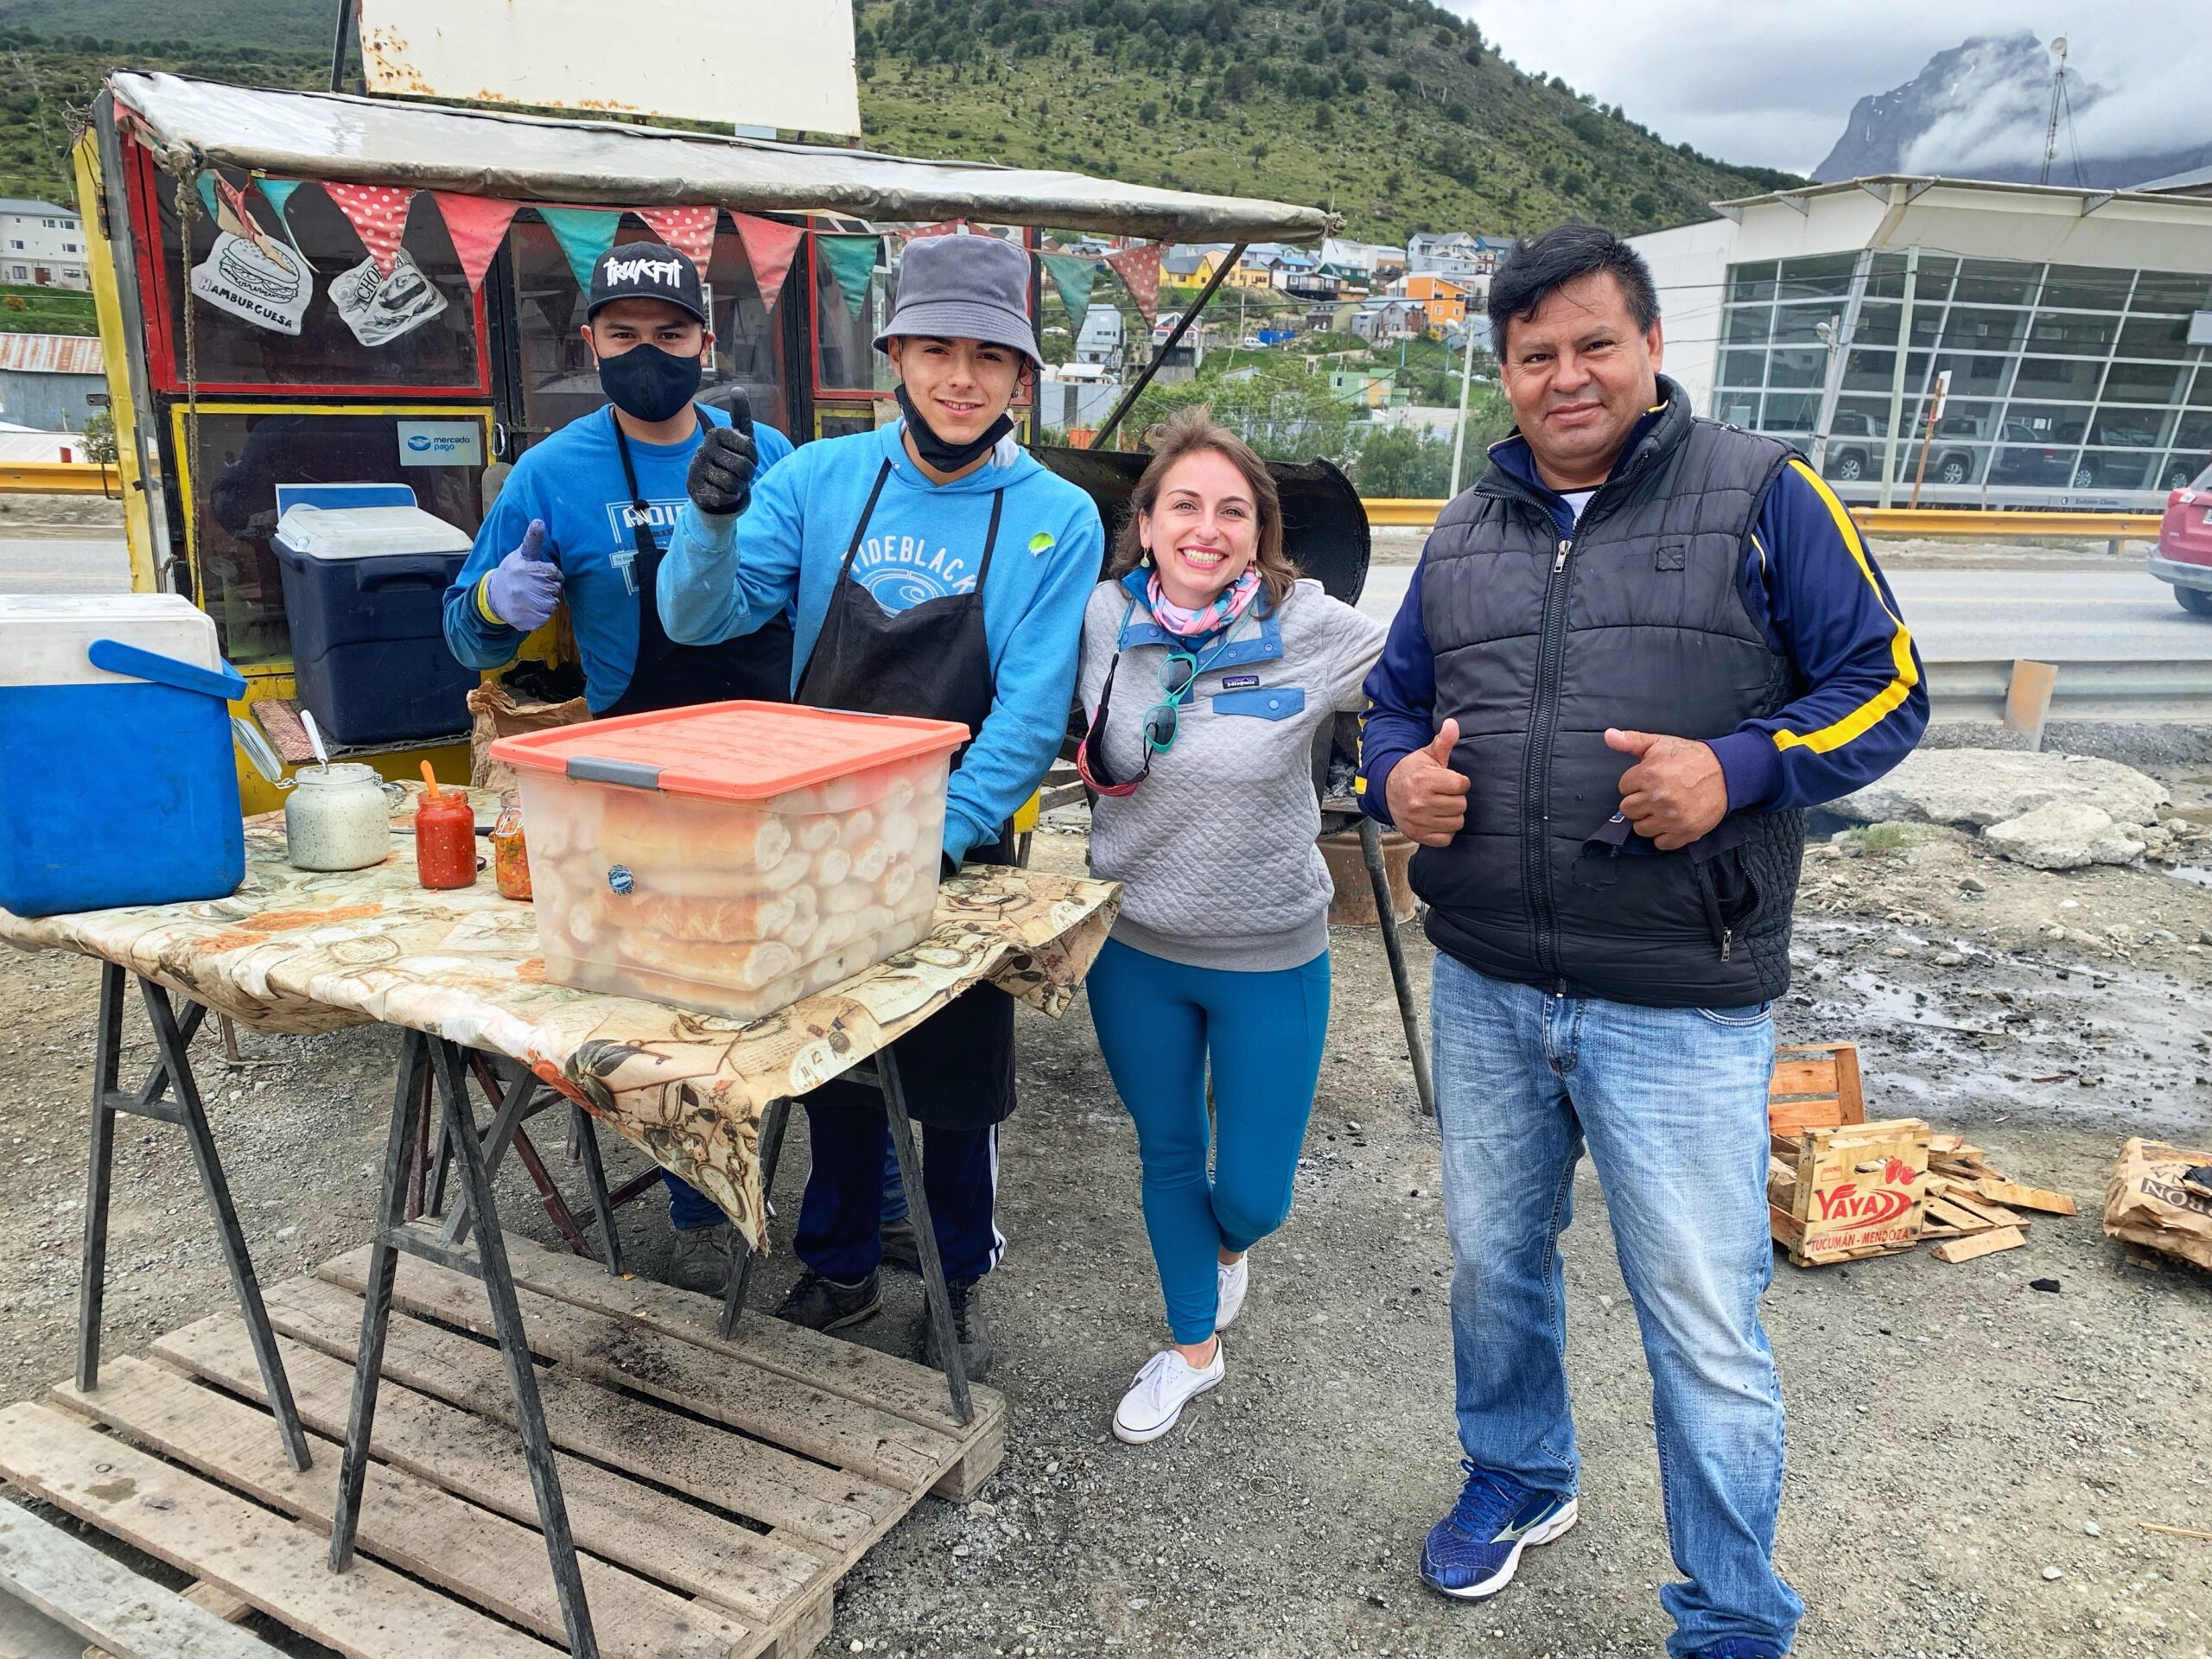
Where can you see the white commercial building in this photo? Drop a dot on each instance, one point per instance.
(2068, 331)
(42, 244)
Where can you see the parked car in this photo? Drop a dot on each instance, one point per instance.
(2182, 558)
(1855, 449)
(2043, 454)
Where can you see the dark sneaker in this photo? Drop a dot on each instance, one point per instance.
(701, 1260)
(901, 1249)
(829, 1305)
(966, 1329)
(1473, 1551)
(1739, 1647)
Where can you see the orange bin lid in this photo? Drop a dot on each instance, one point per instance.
(728, 751)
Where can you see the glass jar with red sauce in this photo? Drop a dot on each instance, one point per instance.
(445, 840)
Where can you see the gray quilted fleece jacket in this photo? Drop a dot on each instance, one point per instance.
(1215, 851)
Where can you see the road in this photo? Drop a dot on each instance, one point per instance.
(64, 565)
(2063, 615)
(2056, 615)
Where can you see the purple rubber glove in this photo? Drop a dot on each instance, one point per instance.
(522, 590)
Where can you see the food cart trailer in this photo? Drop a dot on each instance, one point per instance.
(299, 290)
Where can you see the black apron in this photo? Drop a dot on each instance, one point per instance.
(757, 665)
(932, 661)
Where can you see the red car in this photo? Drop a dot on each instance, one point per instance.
(2185, 551)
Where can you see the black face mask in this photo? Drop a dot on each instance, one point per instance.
(648, 383)
(943, 456)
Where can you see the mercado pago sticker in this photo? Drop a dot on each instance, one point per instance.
(258, 278)
(441, 443)
(379, 308)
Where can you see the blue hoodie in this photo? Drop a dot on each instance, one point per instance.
(573, 480)
(725, 575)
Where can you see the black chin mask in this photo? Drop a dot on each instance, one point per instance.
(648, 383)
(947, 457)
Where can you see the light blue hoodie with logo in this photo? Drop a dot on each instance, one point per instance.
(725, 575)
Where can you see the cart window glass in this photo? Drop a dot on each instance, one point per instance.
(243, 456)
(560, 378)
(416, 329)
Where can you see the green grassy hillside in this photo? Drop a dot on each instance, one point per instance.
(1395, 113)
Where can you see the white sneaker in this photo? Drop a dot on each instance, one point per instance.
(1229, 1286)
(1151, 1408)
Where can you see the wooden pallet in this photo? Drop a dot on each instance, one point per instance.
(718, 1491)
(1814, 1086)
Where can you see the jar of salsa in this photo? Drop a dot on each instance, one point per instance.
(510, 854)
(445, 838)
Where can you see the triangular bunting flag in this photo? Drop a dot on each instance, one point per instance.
(852, 262)
(769, 247)
(477, 225)
(277, 191)
(1072, 275)
(585, 234)
(1140, 268)
(689, 230)
(378, 213)
(943, 227)
(205, 181)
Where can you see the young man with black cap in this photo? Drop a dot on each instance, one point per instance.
(585, 516)
(937, 569)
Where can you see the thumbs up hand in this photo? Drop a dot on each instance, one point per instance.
(721, 478)
(522, 588)
(1675, 791)
(1427, 800)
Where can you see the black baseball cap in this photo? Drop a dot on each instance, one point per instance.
(646, 270)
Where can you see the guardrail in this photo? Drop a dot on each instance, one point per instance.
(58, 478)
(2170, 692)
(1952, 523)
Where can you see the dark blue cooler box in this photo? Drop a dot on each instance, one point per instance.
(117, 782)
(365, 596)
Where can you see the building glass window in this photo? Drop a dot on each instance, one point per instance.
(1825, 277)
(2086, 287)
(2171, 294)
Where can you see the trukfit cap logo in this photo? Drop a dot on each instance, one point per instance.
(627, 271)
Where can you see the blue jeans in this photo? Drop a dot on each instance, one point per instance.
(1672, 1105)
(1159, 1023)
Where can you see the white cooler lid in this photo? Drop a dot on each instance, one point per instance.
(43, 637)
(367, 532)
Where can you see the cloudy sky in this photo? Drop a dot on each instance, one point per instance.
(1772, 85)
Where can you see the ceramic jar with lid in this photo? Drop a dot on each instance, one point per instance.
(339, 817)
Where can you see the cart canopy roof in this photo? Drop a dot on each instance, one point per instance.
(195, 124)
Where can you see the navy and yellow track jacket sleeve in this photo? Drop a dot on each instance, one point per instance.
(1859, 703)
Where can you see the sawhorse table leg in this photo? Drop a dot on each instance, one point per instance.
(884, 1078)
(172, 1070)
(488, 1264)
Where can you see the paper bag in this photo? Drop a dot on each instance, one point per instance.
(495, 713)
(2145, 1202)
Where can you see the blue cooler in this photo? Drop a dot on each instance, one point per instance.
(117, 785)
(365, 592)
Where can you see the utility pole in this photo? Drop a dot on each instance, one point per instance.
(2058, 90)
(1897, 376)
(1466, 382)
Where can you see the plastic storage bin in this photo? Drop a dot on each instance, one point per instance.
(364, 594)
(732, 857)
(117, 785)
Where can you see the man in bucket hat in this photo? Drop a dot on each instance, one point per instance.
(937, 570)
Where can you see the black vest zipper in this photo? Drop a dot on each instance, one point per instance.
(1536, 770)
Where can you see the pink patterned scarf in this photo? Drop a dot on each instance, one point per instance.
(1227, 606)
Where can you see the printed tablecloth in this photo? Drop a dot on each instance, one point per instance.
(299, 952)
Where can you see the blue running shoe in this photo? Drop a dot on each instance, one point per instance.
(1739, 1647)
(1473, 1551)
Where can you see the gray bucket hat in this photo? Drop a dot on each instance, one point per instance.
(964, 287)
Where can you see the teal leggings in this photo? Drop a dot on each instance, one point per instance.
(1158, 1023)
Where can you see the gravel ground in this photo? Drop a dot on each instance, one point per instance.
(1970, 1459)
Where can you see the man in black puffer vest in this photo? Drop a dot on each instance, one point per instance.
(1630, 658)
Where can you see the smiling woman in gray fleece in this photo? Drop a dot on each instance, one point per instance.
(1207, 667)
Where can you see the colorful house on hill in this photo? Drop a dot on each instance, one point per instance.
(1446, 301)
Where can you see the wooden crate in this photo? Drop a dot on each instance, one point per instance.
(718, 1491)
(1835, 1194)
(1816, 1085)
